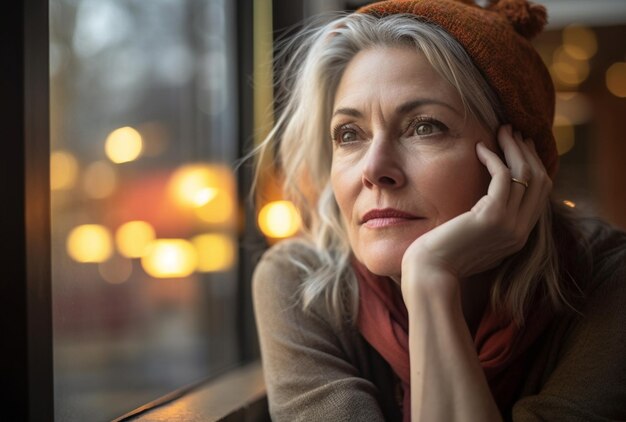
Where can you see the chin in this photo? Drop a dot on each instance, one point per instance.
(383, 261)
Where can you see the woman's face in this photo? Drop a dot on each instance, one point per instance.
(404, 156)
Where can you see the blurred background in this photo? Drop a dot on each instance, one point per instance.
(153, 104)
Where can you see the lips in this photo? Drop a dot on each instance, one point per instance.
(386, 217)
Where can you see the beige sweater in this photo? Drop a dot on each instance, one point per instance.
(315, 371)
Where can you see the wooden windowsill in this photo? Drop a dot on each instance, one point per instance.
(238, 395)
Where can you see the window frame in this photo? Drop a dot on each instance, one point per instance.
(26, 292)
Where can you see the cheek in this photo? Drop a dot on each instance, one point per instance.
(345, 182)
(454, 182)
(342, 184)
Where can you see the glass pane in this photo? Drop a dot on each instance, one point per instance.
(144, 207)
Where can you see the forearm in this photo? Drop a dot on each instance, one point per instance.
(447, 381)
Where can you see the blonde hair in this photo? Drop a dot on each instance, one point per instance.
(313, 66)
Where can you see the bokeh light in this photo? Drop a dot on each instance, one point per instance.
(279, 219)
(219, 210)
(90, 243)
(133, 238)
(216, 252)
(579, 42)
(203, 196)
(616, 79)
(208, 189)
(567, 69)
(123, 145)
(195, 185)
(99, 180)
(170, 258)
(63, 170)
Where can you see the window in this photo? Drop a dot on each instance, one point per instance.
(145, 216)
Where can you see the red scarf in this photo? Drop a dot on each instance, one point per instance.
(501, 348)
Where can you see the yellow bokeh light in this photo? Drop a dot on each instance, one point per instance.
(569, 203)
(568, 70)
(123, 145)
(579, 42)
(90, 243)
(99, 180)
(132, 238)
(206, 188)
(204, 196)
(63, 170)
(216, 252)
(563, 130)
(279, 219)
(167, 258)
(195, 185)
(616, 79)
(219, 210)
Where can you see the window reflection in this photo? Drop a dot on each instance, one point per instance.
(144, 206)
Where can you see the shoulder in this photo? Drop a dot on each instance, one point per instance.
(601, 260)
(285, 255)
(279, 277)
(585, 371)
(605, 293)
(603, 282)
(283, 267)
(310, 364)
(607, 247)
(592, 252)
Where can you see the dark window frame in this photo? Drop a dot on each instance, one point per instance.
(25, 298)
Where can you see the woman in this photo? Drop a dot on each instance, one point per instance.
(434, 279)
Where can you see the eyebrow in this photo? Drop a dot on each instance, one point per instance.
(413, 104)
(401, 109)
(347, 111)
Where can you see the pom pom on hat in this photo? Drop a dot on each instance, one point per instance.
(497, 40)
(528, 19)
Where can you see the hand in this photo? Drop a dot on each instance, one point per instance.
(496, 227)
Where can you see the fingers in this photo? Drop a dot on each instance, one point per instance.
(511, 144)
(501, 188)
(527, 203)
(539, 188)
(500, 174)
(523, 204)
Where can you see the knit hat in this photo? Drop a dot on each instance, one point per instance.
(497, 39)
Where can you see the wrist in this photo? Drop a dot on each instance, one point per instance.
(425, 283)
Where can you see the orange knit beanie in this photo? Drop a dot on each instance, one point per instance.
(497, 39)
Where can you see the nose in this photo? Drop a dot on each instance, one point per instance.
(383, 167)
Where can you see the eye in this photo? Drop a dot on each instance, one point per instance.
(427, 126)
(348, 136)
(345, 134)
(424, 129)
